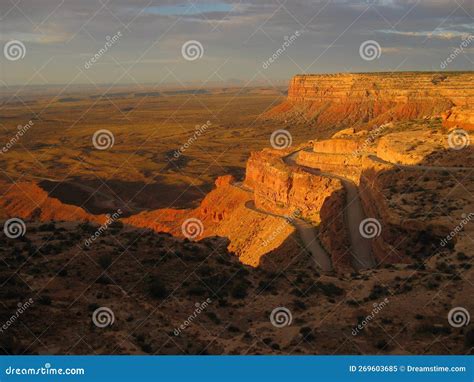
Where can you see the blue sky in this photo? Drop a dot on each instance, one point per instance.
(236, 39)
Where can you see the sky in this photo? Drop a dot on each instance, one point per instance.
(240, 42)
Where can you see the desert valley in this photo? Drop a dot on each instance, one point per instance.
(334, 216)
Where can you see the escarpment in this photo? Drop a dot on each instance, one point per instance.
(338, 100)
(311, 199)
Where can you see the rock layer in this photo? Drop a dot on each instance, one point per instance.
(346, 99)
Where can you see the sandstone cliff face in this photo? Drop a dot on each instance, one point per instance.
(223, 212)
(27, 200)
(284, 189)
(459, 117)
(348, 99)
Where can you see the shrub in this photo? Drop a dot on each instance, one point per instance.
(105, 260)
(157, 289)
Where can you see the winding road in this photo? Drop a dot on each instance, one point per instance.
(361, 249)
(307, 233)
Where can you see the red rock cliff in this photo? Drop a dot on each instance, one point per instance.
(346, 99)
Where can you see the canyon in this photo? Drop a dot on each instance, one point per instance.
(364, 204)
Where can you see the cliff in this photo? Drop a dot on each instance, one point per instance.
(338, 100)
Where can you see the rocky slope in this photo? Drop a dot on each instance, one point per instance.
(355, 99)
(164, 295)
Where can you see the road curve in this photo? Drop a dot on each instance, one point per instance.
(361, 249)
(307, 234)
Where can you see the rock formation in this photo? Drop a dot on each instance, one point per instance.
(355, 99)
